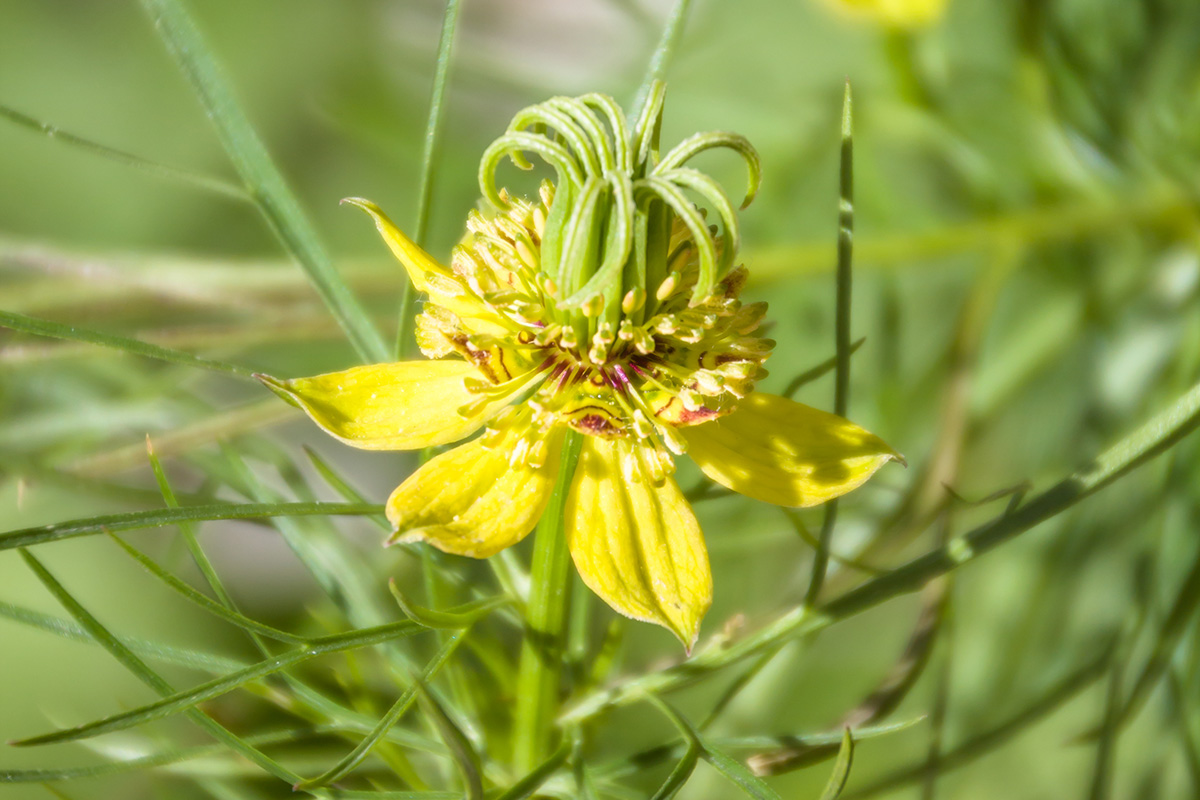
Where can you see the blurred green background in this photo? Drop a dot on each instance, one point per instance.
(1027, 280)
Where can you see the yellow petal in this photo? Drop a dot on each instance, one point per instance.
(471, 502)
(782, 452)
(439, 282)
(420, 265)
(401, 406)
(635, 544)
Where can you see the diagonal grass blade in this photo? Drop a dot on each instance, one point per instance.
(262, 177)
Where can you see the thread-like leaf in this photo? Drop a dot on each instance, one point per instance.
(148, 676)
(160, 651)
(165, 758)
(74, 333)
(449, 620)
(841, 768)
(464, 754)
(187, 176)
(386, 723)
(262, 177)
(137, 520)
(737, 772)
(985, 741)
(680, 774)
(188, 699)
(206, 603)
(539, 775)
(824, 368)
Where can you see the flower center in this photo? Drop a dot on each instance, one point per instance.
(635, 368)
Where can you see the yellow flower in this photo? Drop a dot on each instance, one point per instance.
(606, 307)
(898, 13)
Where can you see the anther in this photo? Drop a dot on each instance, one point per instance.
(593, 305)
(526, 255)
(667, 287)
(633, 300)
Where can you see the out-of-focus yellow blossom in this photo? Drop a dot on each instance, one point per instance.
(609, 307)
(897, 13)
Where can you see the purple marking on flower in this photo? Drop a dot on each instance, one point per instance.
(625, 383)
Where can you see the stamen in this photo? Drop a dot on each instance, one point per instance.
(634, 299)
(667, 287)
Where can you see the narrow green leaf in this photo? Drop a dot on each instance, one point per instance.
(739, 685)
(817, 740)
(148, 676)
(302, 693)
(808, 538)
(1106, 741)
(429, 161)
(176, 702)
(199, 557)
(74, 333)
(433, 127)
(163, 759)
(737, 772)
(681, 773)
(456, 741)
(1172, 633)
(337, 566)
(820, 370)
(432, 618)
(137, 520)
(166, 653)
(340, 485)
(533, 781)
(398, 709)
(841, 768)
(254, 164)
(208, 604)
(826, 744)
(197, 179)
(979, 744)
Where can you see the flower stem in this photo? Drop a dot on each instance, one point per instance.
(545, 625)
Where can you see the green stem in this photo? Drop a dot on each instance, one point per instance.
(433, 132)
(841, 396)
(545, 625)
(660, 59)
